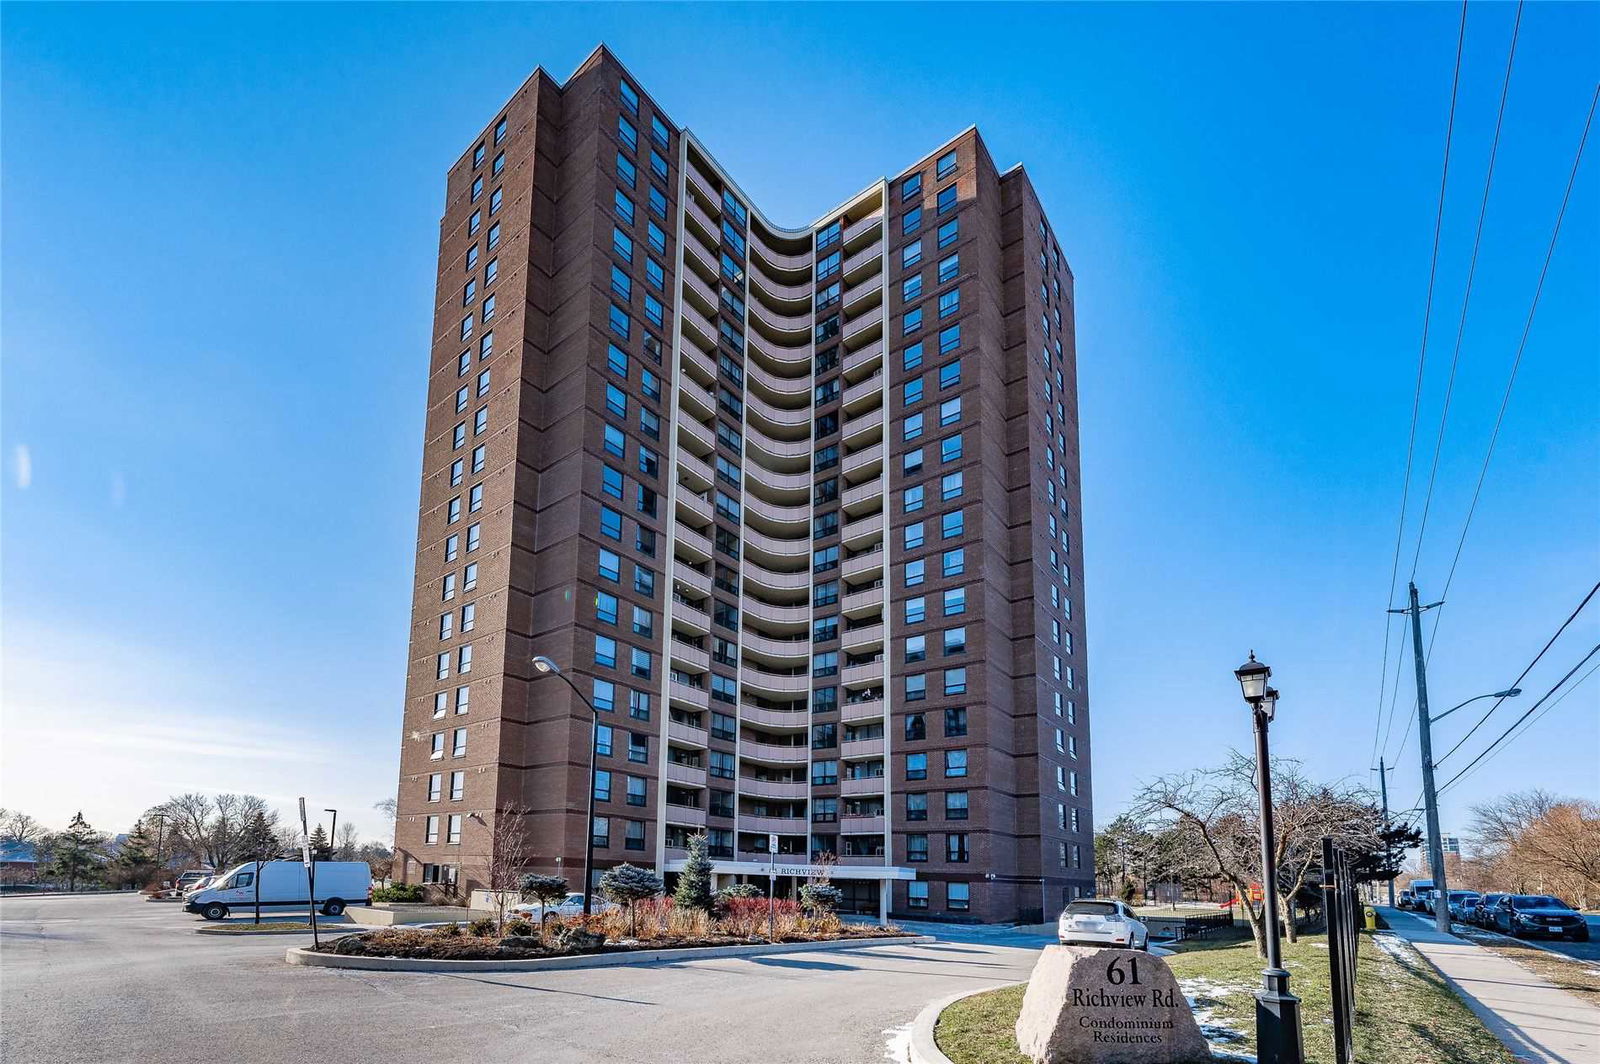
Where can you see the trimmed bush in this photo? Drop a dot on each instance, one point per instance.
(403, 892)
(819, 899)
(482, 927)
(520, 927)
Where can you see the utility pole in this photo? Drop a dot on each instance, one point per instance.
(1441, 894)
(1383, 789)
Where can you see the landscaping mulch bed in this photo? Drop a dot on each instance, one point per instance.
(420, 944)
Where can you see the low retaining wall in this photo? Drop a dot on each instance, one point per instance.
(306, 957)
(395, 913)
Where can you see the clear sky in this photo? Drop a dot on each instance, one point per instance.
(220, 229)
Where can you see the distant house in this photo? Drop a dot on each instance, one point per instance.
(19, 862)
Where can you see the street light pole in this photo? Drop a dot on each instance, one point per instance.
(544, 664)
(333, 832)
(1441, 896)
(1278, 1039)
(1383, 789)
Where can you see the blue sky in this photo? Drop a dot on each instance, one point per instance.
(220, 227)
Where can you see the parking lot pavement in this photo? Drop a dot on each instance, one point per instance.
(118, 979)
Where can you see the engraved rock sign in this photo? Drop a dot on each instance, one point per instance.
(1106, 1006)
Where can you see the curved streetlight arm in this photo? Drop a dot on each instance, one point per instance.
(545, 665)
(1514, 692)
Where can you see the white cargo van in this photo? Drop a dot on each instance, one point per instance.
(283, 888)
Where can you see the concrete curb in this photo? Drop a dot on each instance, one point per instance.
(1525, 942)
(302, 956)
(924, 1050)
(337, 929)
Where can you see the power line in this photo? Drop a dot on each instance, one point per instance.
(1570, 618)
(1422, 361)
(1516, 363)
(1466, 296)
(1501, 738)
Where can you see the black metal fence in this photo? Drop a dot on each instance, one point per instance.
(1343, 909)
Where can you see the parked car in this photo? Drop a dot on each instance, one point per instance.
(1101, 922)
(1482, 914)
(191, 879)
(1462, 902)
(571, 905)
(283, 888)
(1406, 899)
(1539, 914)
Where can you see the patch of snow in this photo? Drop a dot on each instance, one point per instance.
(898, 1047)
(1202, 995)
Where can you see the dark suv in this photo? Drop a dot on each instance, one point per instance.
(1482, 914)
(1539, 914)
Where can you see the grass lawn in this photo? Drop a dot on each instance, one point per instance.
(1406, 1013)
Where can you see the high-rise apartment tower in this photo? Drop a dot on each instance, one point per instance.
(797, 508)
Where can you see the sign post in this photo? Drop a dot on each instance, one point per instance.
(311, 874)
(772, 887)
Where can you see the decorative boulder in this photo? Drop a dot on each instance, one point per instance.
(1106, 1006)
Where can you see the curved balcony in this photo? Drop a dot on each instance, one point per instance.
(861, 748)
(784, 456)
(863, 565)
(760, 550)
(863, 498)
(788, 264)
(778, 616)
(791, 357)
(694, 472)
(773, 825)
(686, 775)
(686, 734)
(776, 293)
(864, 394)
(701, 186)
(773, 683)
(698, 366)
(789, 522)
(790, 719)
(787, 651)
(785, 329)
(774, 484)
(777, 419)
(773, 788)
(784, 387)
(773, 754)
(699, 294)
(865, 785)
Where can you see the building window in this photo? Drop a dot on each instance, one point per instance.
(916, 766)
(958, 896)
(458, 786)
(955, 764)
(916, 848)
(602, 740)
(917, 894)
(602, 785)
(633, 835)
(955, 805)
(458, 746)
(955, 681)
(955, 848)
(600, 832)
(946, 165)
(916, 807)
(430, 835)
(946, 200)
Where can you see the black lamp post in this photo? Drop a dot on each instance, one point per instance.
(1277, 1010)
(544, 664)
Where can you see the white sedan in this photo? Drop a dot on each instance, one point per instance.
(571, 905)
(1101, 922)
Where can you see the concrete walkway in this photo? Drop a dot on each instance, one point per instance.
(1538, 1021)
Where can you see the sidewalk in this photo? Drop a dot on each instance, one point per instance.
(1538, 1022)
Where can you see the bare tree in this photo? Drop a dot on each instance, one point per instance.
(511, 852)
(23, 833)
(215, 831)
(1212, 818)
(1535, 841)
(348, 843)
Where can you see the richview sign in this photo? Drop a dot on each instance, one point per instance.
(1106, 1006)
